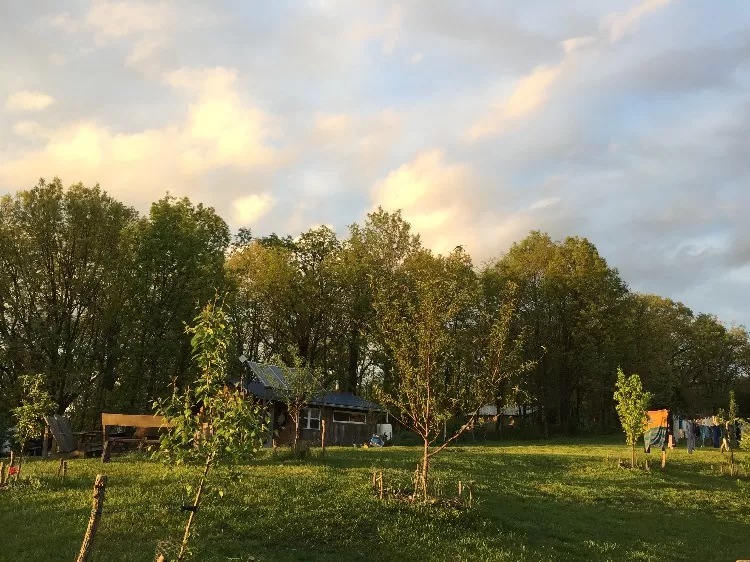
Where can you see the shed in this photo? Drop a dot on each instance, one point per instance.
(349, 419)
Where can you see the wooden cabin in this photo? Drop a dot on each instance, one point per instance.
(349, 419)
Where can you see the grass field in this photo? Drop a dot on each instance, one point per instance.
(558, 500)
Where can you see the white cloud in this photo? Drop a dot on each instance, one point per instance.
(576, 43)
(620, 25)
(28, 101)
(252, 207)
(120, 19)
(529, 94)
(30, 129)
(142, 51)
(543, 203)
(219, 130)
(57, 59)
(332, 124)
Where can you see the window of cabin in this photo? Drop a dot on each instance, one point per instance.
(310, 418)
(340, 416)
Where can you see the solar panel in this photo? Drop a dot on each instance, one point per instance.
(278, 373)
(270, 375)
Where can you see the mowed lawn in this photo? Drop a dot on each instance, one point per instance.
(559, 500)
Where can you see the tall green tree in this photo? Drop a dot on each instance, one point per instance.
(178, 262)
(62, 277)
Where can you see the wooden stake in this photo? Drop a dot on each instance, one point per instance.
(663, 459)
(471, 492)
(323, 435)
(45, 442)
(460, 489)
(96, 514)
(381, 485)
(2, 473)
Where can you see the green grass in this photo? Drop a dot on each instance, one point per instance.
(535, 501)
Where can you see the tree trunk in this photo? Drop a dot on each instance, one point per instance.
(425, 470)
(196, 504)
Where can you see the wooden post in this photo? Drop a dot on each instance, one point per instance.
(471, 492)
(105, 445)
(381, 485)
(460, 489)
(663, 459)
(45, 442)
(96, 514)
(374, 479)
(2, 473)
(323, 435)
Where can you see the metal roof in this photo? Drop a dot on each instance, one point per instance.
(270, 377)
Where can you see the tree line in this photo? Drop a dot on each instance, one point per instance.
(95, 297)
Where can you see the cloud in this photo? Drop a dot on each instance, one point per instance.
(250, 208)
(576, 43)
(543, 203)
(142, 51)
(218, 131)
(450, 204)
(620, 25)
(28, 101)
(528, 95)
(30, 129)
(332, 124)
(120, 19)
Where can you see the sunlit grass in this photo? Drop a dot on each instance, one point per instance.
(565, 500)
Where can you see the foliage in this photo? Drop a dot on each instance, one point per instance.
(631, 402)
(95, 297)
(227, 425)
(426, 315)
(35, 404)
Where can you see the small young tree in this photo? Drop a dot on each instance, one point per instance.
(730, 425)
(303, 383)
(427, 317)
(632, 403)
(227, 425)
(35, 404)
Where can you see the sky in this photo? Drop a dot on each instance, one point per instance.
(626, 121)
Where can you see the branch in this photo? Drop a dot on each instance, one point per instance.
(463, 428)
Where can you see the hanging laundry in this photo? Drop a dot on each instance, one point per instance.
(656, 430)
(689, 431)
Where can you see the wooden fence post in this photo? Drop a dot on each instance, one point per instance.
(663, 459)
(96, 514)
(323, 435)
(45, 442)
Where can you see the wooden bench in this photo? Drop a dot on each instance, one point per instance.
(124, 420)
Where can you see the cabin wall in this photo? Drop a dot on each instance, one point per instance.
(343, 434)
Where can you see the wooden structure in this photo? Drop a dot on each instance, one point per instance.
(68, 444)
(345, 418)
(143, 436)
